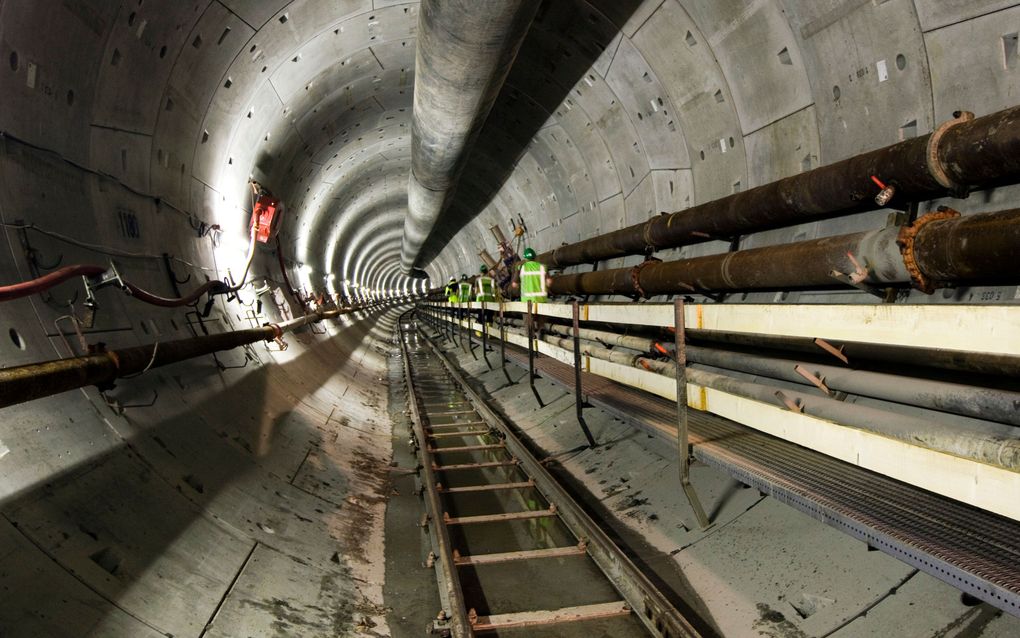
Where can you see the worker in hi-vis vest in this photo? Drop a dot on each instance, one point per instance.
(464, 290)
(484, 286)
(451, 290)
(532, 274)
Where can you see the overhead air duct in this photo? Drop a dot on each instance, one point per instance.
(465, 50)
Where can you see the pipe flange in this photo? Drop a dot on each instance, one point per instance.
(277, 332)
(905, 240)
(935, 166)
(635, 274)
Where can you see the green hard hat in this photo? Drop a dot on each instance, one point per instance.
(484, 269)
(529, 253)
(463, 277)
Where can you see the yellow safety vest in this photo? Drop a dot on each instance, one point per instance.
(533, 282)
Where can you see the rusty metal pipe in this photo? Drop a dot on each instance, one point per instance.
(960, 156)
(974, 249)
(37, 380)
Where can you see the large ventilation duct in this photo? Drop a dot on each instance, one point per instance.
(465, 49)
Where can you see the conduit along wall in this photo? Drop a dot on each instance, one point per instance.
(36, 380)
(963, 154)
(896, 393)
(935, 418)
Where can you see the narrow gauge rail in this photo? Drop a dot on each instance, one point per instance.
(513, 553)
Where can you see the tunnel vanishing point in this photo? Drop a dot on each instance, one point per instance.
(546, 318)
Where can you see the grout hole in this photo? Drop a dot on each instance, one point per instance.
(901, 61)
(1009, 50)
(14, 60)
(16, 339)
(835, 92)
(908, 130)
(70, 97)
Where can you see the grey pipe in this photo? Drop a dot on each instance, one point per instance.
(956, 398)
(993, 443)
(465, 50)
(966, 400)
(986, 442)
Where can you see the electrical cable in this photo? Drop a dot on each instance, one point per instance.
(152, 360)
(212, 287)
(103, 250)
(47, 281)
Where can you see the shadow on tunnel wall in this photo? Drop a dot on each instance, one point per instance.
(132, 527)
(565, 40)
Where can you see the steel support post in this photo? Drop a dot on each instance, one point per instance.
(578, 397)
(531, 356)
(680, 342)
(460, 325)
(485, 336)
(470, 331)
(502, 344)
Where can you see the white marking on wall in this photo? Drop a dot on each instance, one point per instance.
(883, 71)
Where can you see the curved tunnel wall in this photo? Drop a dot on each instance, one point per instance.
(135, 125)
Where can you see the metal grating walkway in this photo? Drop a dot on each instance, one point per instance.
(973, 550)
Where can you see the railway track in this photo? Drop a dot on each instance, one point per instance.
(514, 555)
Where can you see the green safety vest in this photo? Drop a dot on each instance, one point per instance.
(464, 292)
(451, 293)
(533, 282)
(485, 290)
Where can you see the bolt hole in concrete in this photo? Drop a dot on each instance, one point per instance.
(835, 93)
(16, 339)
(901, 61)
(14, 60)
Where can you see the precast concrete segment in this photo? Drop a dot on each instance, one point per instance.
(465, 50)
(958, 157)
(976, 249)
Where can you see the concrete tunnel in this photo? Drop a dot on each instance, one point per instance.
(210, 432)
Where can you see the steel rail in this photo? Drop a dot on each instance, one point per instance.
(454, 613)
(650, 606)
